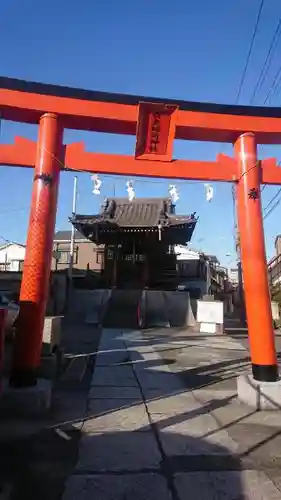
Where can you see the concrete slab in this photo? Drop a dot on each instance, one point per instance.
(106, 392)
(118, 451)
(112, 487)
(157, 380)
(97, 407)
(119, 376)
(197, 432)
(160, 392)
(179, 308)
(51, 334)
(111, 344)
(173, 405)
(27, 400)
(177, 445)
(129, 420)
(156, 312)
(109, 358)
(259, 395)
(231, 485)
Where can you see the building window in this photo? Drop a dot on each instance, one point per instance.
(128, 257)
(109, 254)
(64, 256)
(21, 263)
(99, 258)
(5, 266)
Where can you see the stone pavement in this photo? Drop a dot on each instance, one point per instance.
(163, 422)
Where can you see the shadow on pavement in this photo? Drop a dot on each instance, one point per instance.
(143, 466)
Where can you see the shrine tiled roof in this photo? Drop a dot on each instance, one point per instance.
(141, 212)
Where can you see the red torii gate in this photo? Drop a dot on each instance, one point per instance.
(156, 123)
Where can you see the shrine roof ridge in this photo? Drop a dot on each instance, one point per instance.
(130, 99)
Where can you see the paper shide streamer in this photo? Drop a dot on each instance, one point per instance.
(97, 184)
(130, 190)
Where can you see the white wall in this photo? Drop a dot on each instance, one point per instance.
(185, 253)
(12, 254)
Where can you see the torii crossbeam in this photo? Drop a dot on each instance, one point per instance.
(155, 123)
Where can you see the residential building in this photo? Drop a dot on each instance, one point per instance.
(278, 244)
(200, 273)
(12, 257)
(233, 275)
(87, 255)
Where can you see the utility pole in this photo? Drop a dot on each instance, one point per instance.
(72, 241)
(238, 258)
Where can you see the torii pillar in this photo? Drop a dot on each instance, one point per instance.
(254, 265)
(37, 265)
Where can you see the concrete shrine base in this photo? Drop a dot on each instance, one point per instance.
(259, 395)
(27, 400)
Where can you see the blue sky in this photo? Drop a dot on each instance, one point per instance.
(181, 49)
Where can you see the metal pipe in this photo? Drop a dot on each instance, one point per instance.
(72, 241)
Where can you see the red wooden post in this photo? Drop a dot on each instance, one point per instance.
(254, 265)
(3, 315)
(36, 272)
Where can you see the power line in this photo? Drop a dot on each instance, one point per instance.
(268, 59)
(272, 208)
(274, 85)
(250, 51)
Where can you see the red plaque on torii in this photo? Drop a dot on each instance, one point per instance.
(156, 130)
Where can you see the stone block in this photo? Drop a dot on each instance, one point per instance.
(247, 484)
(114, 376)
(51, 334)
(27, 400)
(118, 451)
(259, 395)
(133, 418)
(111, 487)
(99, 407)
(106, 392)
(112, 358)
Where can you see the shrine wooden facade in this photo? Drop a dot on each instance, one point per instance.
(138, 238)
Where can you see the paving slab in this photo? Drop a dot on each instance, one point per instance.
(114, 376)
(159, 380)
(133, 418)
(118, 451)
(176, 404)
(97, 407)
(173, 412)
(112, 487)
(194, 442)
(108, 392)
(113, 357)
(227, 485)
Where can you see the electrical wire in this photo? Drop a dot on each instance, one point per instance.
(272, 209)
(274, 85)
(250, 51)
(267, 61)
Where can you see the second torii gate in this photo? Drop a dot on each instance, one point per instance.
(156, 123)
